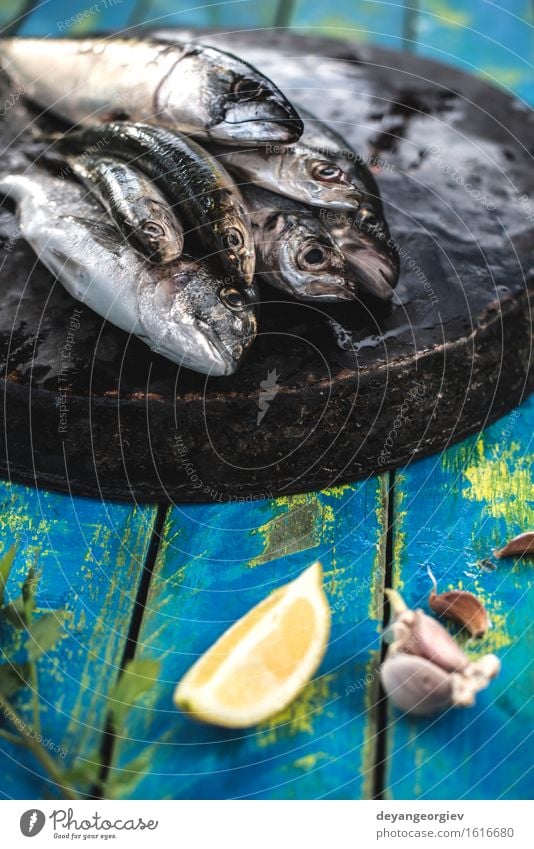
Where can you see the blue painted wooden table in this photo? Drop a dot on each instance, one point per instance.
(157, 586)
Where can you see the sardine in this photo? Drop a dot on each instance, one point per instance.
(369, 250)
(202, 192)
(134, 203)
(296, 172)
(328, 143)
(189, 87)
(180, 310)
(295, 252)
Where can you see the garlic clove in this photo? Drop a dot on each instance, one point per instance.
(462, 607)
(522, 544)
(476, 677)
(428, 639)
(415, 685)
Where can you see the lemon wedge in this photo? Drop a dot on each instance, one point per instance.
(261, 663)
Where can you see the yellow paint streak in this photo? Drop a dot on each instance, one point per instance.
(376, 589)
(399, 534)
(309, 762)
(448, 15)
(299, 716)
(501, 481)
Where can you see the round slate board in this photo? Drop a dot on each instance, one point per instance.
(328, 394)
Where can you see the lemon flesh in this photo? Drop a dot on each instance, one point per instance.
(260, 664)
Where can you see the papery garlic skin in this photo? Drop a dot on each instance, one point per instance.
(425, 671)
(415, 685)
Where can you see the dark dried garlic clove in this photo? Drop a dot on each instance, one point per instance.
(462, 607)
(522, 544)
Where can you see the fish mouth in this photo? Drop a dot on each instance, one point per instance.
(327, 290)
(221, 361)
(376, 275)
(260, 123)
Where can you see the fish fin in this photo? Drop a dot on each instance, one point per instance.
(102, 231)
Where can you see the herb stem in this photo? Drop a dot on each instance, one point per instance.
(30, 741)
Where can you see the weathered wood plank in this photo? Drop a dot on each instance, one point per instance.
(235, 15)
(450, 513)
(216, 562)
(91, 555)
(369, 21)
(492, 40)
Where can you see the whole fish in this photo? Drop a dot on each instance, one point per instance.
(325, 141)
(202, 192)
(134, 203)
(296, 172)
(180, 309)
(190, 87)
(368, 248)
(295, 252)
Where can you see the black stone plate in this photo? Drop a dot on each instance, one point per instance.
(327, 394)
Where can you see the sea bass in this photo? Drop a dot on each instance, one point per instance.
(202, 192)
(134, 203)
(189, 87)
(295, 252)
(180, 310)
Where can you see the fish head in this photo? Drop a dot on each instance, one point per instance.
(197, 320)
(238, 255)
(240, 103)
(322, 180)
(304, 260)
(157, 231)
(371, 254)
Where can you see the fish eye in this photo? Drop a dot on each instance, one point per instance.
(368, 217)
(153, 230)
(312, 257)
(327, 172)
(233, 239)
(232, 299)
(247, 89)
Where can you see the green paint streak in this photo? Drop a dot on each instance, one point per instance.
(297, 529)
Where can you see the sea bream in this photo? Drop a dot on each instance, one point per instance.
(202, 193)
(181, 310)
(189, 87)
(134, 203)
(295, 252)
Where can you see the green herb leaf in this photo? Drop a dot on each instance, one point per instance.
(44, 633)
(14, 613)
(29, 589)
(84, 771)
(137, 678)
(121, 783)
(12, 677)
(6, 563)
